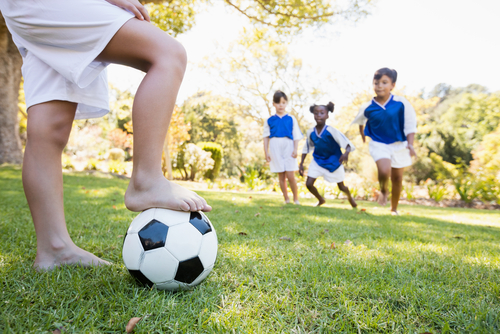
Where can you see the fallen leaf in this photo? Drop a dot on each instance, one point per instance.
(131, 324)
(56, 331)
(250, 197)
(87, 191)
(257, 214)
(327, 230)
(285, 238)
(237, 211)
(120, 236)
(363, 210)
(83, 188)
(260, 207)
(348, 242)
(114, 207)
(332, 246)
(242, 233)
(458, 237)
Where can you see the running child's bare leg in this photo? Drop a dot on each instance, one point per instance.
(283, 187)
(143, 46)
(290, 175)
(310, 185)
(49, 126)
(384, 173)
(346, 191)
(397, 187)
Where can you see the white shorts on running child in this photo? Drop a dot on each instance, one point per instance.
(397, 152)
(316, 171)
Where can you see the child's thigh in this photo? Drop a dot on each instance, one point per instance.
(140, 44)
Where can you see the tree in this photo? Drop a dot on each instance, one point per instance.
(10, 79)
(175, 17)
(257, 65)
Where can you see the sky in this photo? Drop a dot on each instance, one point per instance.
(427, 41)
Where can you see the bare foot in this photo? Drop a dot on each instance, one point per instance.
(382, 199)
(72, 255)
(321, 202)
(287, 201)
(394, 213)
(161, 193)
(296, 202)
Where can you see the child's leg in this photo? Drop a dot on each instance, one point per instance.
(290, 175)
(49, 126)
(346, 191)
(143, 46)
(310, 185)
(283, 187)
(384, 173)
(397, 186)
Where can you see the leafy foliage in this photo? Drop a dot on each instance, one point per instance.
(216, 154)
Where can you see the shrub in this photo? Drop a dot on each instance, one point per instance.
(437, 190)
(216, 151)
(117, 167)
(191, 159)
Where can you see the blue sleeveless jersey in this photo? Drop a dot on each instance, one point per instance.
(281, 126)
(327, 151)
(385, 124)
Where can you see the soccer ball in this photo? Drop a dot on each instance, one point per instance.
(170, 250)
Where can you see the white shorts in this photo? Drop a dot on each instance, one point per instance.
(280, 150)
(397, 152)
(316, 171)
(59, 41)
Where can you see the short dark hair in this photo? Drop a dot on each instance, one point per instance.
(278, 95)
(392, 74)
(329, 107)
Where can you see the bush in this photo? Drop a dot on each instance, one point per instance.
(191, 159)
(217, 153)
(437, 190)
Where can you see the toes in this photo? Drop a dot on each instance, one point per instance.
(184, 206)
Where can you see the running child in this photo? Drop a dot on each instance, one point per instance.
(391, 123)
(281, 141)
(326, 143)
(66, 46)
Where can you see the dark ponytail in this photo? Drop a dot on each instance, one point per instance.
(329, 107)
(392, 74)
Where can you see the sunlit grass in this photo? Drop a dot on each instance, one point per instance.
(280, 268)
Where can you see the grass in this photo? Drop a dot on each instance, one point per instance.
(280, 269)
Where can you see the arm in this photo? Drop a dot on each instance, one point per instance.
(362, 133)
(266, 149)
(295, 148)
(410, 138)
(345, 157)
(301, 165)
(133, 6)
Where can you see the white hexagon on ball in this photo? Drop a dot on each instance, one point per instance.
(183, 241)
(159, 265)
(170, 217)
(132, 251)
(208, 249)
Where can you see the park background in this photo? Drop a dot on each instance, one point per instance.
(240, 54)
(282, 268)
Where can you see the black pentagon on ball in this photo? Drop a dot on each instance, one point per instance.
(198, 221)
(189, 270)
(140, 277)
(153, 235)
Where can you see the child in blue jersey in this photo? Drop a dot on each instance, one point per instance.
(326, 143)
(281, 141)
(391, 123)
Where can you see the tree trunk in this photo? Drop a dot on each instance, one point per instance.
(10, 79)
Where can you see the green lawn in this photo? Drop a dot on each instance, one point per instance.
(430, 270)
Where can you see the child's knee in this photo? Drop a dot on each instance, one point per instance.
(343, 188)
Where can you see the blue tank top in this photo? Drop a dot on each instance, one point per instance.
(327, 151)
(280, 126)
(385, 124)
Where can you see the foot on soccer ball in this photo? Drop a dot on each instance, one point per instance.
(382, 199)
(161, 193)
(321, 202)
(66, 256)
